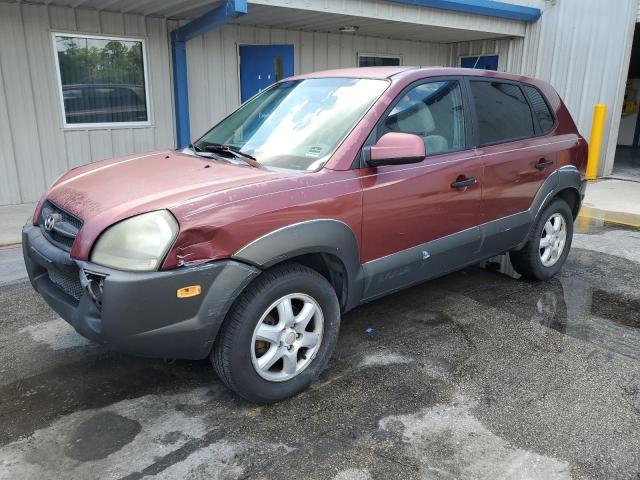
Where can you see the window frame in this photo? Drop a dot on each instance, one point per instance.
(476, 131)
(378, 55)
(361, 160)
(98, 125)
(479, 56)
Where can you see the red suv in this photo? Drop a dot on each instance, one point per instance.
(321, 193)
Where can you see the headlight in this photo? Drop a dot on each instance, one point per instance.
(138, 243)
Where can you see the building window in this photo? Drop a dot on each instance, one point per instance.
(375, 60)
(482, 62)
(102, 80)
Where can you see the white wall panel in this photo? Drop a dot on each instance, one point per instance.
(213, 62)
(35, 146)
(583, 47)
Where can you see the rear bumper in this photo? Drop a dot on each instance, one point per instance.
(139, 312)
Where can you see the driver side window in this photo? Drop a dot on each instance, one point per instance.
(432, 111)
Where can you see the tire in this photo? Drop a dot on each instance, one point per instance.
(528, 261)
(256, 314)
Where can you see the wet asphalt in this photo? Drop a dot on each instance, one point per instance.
(474, 375)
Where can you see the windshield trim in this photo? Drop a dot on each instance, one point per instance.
(298, 79)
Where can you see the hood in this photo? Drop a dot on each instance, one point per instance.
(102, 193)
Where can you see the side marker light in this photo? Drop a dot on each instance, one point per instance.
(190, 291)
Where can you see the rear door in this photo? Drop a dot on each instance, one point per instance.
(517, 158)
(416, 223)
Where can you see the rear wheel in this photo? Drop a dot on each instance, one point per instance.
(545, 253)
(279, 334)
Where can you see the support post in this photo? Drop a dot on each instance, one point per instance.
(595, 141)
(228, 10)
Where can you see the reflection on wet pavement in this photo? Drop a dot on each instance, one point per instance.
(576, 305)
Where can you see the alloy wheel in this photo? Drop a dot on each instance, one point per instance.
(553, 240)
(287, 337)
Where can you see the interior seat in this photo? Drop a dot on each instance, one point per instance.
(417, 119)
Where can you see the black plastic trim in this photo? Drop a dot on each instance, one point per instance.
(420, 263)
(313, 236)
(141, 313)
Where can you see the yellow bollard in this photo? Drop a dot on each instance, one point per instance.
(595, 142)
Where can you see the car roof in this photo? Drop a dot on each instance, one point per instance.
(362, 72)
(413, 71)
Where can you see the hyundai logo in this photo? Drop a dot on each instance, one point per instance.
(49, 223)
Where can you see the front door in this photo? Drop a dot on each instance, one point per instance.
(263, 65)
(419, 221)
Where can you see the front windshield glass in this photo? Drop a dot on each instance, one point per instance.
(296, 124)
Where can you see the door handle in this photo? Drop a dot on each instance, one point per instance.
(543, 163)
(467, 182)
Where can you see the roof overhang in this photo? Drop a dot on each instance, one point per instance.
(441, 21)
(385, 19)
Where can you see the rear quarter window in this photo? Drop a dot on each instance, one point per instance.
(502, 111)
(540, 108)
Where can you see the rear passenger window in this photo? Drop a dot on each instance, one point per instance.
(540, 108)
(432, 111)
(503, 112)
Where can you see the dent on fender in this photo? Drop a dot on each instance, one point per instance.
(196, 246)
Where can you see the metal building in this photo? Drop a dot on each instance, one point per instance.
(180, 65)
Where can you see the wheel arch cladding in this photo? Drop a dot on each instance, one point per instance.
(304, 240)
(562, 183)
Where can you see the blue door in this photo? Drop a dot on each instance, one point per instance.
(483, 62)
(262, 65)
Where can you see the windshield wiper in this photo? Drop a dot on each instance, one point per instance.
(233, 151)
(197, 151)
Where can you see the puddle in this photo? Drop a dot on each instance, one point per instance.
(574, 307)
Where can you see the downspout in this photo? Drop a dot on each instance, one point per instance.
(230, 9)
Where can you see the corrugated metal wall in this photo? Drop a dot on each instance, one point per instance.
(34, 147)
(213, 62)
(583, 47)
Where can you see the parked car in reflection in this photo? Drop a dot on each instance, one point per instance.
(104, 103)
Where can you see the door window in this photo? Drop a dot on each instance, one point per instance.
(432, 111)
(502, 111)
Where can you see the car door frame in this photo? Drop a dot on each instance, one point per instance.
(382, 275)
(502, 234)
(470, 135)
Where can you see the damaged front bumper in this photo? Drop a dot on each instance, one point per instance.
(139, 313)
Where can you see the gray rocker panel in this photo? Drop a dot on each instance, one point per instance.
(422, 262)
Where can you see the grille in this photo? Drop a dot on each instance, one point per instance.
(70, 284)
(65, 228)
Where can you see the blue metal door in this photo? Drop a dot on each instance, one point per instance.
(262, 65)
(483, 62)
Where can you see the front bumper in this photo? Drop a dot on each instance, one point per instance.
(139, 312)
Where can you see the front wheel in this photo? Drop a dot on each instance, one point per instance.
(545, 253)
(279, 334)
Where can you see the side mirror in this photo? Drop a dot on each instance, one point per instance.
(396, 148)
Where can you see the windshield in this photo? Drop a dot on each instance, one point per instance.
(296, 124)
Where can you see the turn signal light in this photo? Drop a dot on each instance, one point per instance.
(190, 291)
